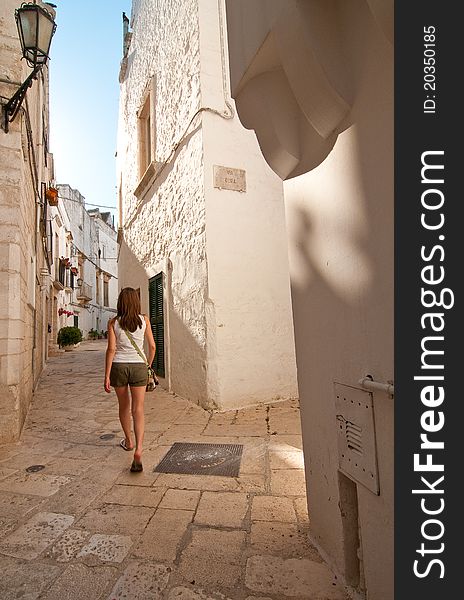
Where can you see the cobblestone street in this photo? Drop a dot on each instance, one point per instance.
(77, 525)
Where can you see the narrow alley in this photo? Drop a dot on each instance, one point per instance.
(76, 524)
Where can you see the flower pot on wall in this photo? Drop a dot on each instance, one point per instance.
(52, 196)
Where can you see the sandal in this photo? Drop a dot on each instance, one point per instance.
(136, 467)
(123, 445)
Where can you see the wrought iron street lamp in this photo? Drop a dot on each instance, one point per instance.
(36, 26)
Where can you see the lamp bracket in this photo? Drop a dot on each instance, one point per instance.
(11, 108)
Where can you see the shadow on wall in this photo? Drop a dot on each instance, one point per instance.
(184, 356)
(187, 363)
(341, 254)
(160, 176)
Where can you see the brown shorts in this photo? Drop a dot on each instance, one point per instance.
(134, 374)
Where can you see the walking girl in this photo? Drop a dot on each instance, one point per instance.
(126, 368)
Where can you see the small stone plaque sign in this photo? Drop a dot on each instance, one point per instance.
(226, 178)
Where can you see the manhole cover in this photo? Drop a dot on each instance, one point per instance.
(202, 459)
(107, 436)
(35, 468)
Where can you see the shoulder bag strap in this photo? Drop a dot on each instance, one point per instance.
(140, 353)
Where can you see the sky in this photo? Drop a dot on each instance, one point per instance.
(84, 64)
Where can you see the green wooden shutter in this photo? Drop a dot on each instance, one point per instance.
(155, 294)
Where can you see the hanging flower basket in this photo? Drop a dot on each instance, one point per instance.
(74, 270)
(52, 196)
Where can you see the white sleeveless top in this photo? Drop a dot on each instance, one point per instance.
(125, 351)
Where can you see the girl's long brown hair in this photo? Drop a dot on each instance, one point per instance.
(129, 309)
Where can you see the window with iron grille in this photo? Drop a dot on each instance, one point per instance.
(155, 296)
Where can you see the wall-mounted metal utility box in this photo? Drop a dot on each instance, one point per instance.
(357, 453)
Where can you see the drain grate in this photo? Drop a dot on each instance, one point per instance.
(202, 459)
(35, 468)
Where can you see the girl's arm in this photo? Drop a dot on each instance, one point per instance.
(150, 341)
(110, 352)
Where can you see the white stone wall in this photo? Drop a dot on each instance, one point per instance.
(251, 355)
(169, 221)
(340, 230)
(228, 328)
(341, 259)
(23, 295)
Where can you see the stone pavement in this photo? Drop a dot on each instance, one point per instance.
(85, 528)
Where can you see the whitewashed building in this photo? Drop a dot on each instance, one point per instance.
(202, 220)
(93, 253)
(314, 80)
(61, 279)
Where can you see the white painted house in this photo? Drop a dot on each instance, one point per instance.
(202, 221)
(93, 252)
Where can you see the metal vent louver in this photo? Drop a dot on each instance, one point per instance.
(357, 455)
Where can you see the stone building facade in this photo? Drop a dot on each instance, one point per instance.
(314, 80)
(201, 214)
(26, 171)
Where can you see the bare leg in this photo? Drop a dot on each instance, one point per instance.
(125, 412)
(138, 415)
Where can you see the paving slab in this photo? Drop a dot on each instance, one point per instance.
(292, 578)
(273, 508)
(34, 484)
(184, 593)
(5, 472)
(162, 537)
(301, 507)
(113, 518)
(80, 582)
(68, 466)
(17, 505)
(196, 482)
(144, 478)
(38, 533)
(281, 539)
(7, 525)
(107, 548)
(141, 581)
(75, 497)
(212, 558)
(222, 509)
(180, 499)
(288, 482)
(282, 459)
(25, 580)
(67, 547)
(292, 441)
(133, 495)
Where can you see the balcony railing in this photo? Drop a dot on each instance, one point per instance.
(84, 292)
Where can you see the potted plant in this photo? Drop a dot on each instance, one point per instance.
(52, 196)
(68, 337)
(93, 334)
